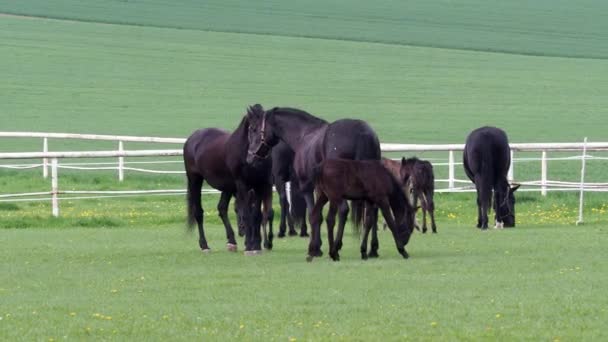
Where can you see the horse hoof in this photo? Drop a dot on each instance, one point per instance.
(281, 235)
(206, 250)
(268, 245)
(292, 233)
(373, 255)
(309, 258)
(334, 256)
(231, 247)
(304, 235)
(253, 253)
(363, 256)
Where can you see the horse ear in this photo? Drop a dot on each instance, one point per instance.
(514, 188)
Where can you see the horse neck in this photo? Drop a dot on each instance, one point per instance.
(293, 127)
(398, 202)
(238, 140)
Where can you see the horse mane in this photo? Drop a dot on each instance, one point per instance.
(412, 160)
(298, 113)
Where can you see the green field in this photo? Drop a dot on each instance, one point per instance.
(417, 71)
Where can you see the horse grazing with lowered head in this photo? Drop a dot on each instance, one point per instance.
(218, 158)
(294, 213)
(418, 179)
(486, 160)
(313, 140)
(367, 180)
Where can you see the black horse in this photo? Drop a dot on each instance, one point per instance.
(486, 161)
(218, 157)
(293, 214)
(313, 140)
(369, 180)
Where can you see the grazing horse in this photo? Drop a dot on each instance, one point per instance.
(486, 161)
(313, 140)
(283, 172)
(417, 178)
(368, 180)
(218, 158)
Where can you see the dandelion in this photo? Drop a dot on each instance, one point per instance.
(241, 326)
(292, 339)
(498, 315)
(433, 324)
(72, 314)
(114, 291)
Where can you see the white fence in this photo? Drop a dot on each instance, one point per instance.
(543, 185)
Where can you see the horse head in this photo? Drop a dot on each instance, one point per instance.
(505, 205)
(261, 135)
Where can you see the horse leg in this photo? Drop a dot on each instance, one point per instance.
(415, 201)
(316, 216)
(484, 196)
(373, 253)
(309, 199)
(195, 209)
(222, 208)
(424, 203)
(367, 225)
(331, 222)
(388, 216)
(431, 210)
(343, 212)
(240, 225)
(267, 218)
(280, 185)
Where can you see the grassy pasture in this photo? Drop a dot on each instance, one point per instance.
(419, 72)
(542, 27)
(153, 284)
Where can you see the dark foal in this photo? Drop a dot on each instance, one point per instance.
(418, 180)
(218, 158)
(486, 160)
(367, 180)
(293, 214)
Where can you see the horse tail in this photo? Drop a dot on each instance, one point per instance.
(357, 214)
(194, 201)
(298, 204)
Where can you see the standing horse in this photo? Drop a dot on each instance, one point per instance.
(283, 172)
(486, 161)
(218, 157)
(368, 180)
(417, 178)
(313, 140)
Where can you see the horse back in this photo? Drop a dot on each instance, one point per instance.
(204, 153)
(487, 154)
(351, 139)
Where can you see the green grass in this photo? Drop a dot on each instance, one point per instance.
(542, 27)
(419, 72)
(154, 284)
(167, 82)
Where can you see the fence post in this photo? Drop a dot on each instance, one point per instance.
(510, 173)
(543, 174)
(580, 202)
(45, 161)
(451, 170)
(54, 188)
(121, 163)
